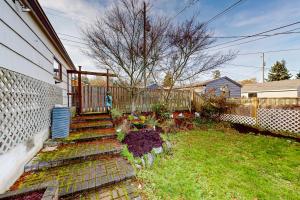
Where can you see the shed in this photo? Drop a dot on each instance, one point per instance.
(223, 85)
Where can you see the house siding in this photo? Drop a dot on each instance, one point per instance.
(25, 51)
(274, 94)
(235, 90)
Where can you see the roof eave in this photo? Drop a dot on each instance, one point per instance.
(41, 17)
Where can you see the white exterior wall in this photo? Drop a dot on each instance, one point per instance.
(274, 94)
(26, 49)
(244, 94)
(277, 94)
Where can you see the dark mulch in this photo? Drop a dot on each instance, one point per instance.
(37, 195)
(142, 141)
(248, 129)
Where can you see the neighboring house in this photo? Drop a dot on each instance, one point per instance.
(274, 89)
(33, 78)
(223, 85)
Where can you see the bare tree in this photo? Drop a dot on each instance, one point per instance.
(188, 53)
(116, 42)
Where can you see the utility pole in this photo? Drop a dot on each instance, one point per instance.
(144, 45)
(263, 67)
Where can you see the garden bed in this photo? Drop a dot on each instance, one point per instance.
(248, 129)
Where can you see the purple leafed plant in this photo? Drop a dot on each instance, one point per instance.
(142, 141)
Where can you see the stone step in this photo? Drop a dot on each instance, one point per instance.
(65, 154)
(93, 113)
(80, 177)
(126, 190)
(89, 135)
(91, 125)
(86, 118)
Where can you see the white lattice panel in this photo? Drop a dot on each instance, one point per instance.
(279, 119)
(25, 107)
(239, 119)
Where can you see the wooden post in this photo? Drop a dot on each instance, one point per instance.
(79, 90)
(68, 90)
(107, 88)
(255, 104)
(107, 80)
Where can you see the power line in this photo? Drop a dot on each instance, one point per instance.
(72, 45)
(245, 36)
(74, 41)
(192, 2)
(224, 11)
(257, 34)
(243, 42)
(281, 33)
(273, 51)
(251, 66)
(64, 34)
(63, 15)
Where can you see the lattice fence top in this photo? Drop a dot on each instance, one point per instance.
(269, 119)
(25, 107)
(279, 119)
(251, 121)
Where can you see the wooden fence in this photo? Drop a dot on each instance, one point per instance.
(249, 106)
(93, 99)
(275, 114)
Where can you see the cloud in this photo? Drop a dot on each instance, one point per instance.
(69, 16)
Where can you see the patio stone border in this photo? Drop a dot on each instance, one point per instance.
(50, 193)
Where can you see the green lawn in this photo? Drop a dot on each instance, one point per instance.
(217, 165)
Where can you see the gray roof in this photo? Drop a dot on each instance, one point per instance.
(272, 86)
(204, 83)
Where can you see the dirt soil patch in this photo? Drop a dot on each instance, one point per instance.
(142, 141)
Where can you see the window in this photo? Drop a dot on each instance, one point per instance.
(57, 70)
(225, 91)
(250, 95)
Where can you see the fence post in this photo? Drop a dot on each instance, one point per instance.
(79, 90)
(255, 104)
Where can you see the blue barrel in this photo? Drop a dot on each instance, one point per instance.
(61, 117)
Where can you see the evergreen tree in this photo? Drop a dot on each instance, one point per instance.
(279, 72)
(168, 80)
(298, 75)
(216, 74)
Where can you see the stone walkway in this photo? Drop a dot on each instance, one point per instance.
(84, 170)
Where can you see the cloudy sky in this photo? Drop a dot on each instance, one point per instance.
(68, 17)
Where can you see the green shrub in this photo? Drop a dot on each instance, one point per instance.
(143, 119)
(159, 108)
(166, 115)
(130, 117)
(121, 136)
(151, 121)
(115, 113)
(169, 126)
(127, 154)
(213, 106)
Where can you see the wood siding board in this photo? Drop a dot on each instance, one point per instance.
(235, 90)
